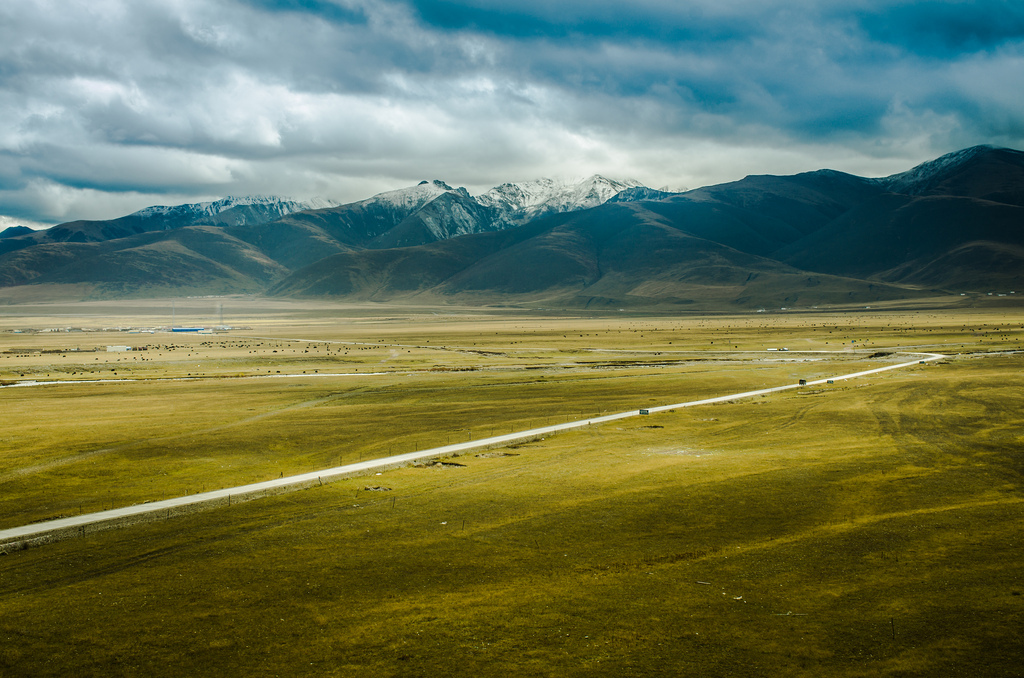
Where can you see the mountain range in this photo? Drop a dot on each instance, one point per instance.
(951, 225)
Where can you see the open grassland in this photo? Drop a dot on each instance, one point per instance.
(868, 527)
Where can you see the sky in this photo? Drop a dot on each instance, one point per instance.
(109, 106)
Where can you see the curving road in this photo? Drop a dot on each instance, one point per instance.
(64, 528)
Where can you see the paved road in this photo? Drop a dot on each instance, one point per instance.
(127, 380)
(54, 530)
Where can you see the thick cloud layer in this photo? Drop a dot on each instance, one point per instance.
(112, 105)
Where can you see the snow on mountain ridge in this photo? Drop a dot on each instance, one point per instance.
(413, 197)
(278, 204)
(513, 200)
(912, 179)
(540, 196)
(463, 222)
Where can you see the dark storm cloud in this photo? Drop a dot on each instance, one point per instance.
(808, 69)
(946, 29)
(323, 9)
(112, 104)
(592, 21)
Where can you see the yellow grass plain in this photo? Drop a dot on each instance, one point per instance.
(868, 527)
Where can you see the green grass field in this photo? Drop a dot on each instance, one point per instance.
(871, 527)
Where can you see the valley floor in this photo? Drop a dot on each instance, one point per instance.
(866, 527)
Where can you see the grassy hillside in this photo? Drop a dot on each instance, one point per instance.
(893, 237)
(619, 255)
(990, 174)
(759, 214)
(200, 258)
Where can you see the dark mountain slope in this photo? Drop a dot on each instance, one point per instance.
(804, 202)
(226, 212)
(15, 231)
(760, 214)
(447, 216)
(614, 255)
(422, 214)
(194, 258)
(26, 265)
(894, 237)
(301, 238)
(977, 266)
(742, 229)
(99, 231)
(20, 242)
(160, 265)
(993, 174)
(293, 241)
(387, 273)
(642, 258)
(217, 245)
(238, 212)
(356, 225)
(552, 253)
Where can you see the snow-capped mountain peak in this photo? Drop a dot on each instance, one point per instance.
(541, 196)
(412, 198)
